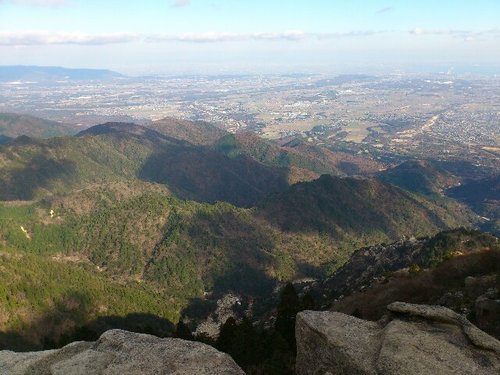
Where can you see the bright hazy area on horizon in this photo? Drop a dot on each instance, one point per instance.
(306, 186)
(262, 36)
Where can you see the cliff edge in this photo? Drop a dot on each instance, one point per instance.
(411, 339)
(120, 352)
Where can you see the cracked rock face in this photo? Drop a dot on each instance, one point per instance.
(120, 352)
(416, 339)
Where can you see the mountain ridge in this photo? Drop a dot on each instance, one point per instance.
(14, 125)
(189, 219)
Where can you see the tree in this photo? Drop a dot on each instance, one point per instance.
(288, 308)
(182, 331)
(307, 302)
(226, 335)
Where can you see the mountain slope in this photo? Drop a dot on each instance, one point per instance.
(14, 125)
(305, 162)
(142, 231)
(45, 299)
(193, 222)
(32, 168)
(198, 133)
(466, 284)
(115, 151)
(419, 176)
(343, 163)
(342, 205)
(311, 223)
(370, 263)
(483, 196)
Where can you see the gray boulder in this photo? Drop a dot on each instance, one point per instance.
(122, 352)
(412, 339)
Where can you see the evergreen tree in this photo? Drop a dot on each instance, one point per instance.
(288, 308)
(226, 335)
(307, 302)
(182, 331)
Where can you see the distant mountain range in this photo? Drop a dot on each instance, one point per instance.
(32, 73)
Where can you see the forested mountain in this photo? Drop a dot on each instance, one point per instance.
(198, 133)
(33, 168)
(482, 196)
(14, 125)
(420, 176)
(170, 216)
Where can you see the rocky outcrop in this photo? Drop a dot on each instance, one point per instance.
(412, 339)
(122, 352)
(227, 306)
(487, 311)
(371, 264)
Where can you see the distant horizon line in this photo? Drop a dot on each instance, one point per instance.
(431, 68)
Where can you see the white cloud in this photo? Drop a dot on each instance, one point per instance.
(350, 34)
(207, 37)
(213, 37)
(422, 31)
(291, 35)
(466, 35)
(29, 38)
(287, 35)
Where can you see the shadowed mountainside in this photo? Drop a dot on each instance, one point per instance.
(305, 162)
(116, 151)
(371, 263)
(165, 220)
(419, 176)
(48, 298)
(342, 205)
(482, 196)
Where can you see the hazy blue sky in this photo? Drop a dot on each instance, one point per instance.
(142, 36)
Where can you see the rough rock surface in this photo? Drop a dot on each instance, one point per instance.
(229, 305)
(122, 352)
(413, 339)
(372, 262)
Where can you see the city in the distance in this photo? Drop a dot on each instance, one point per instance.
(303, 187)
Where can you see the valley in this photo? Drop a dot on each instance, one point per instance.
(179, 214)
(191, 229)
(388, 118)
(249, 187)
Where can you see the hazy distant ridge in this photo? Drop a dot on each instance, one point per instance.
(9, 73)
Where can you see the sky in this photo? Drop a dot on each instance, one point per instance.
(241, 36)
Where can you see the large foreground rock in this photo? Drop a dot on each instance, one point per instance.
(122, 353)
(414, 339)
